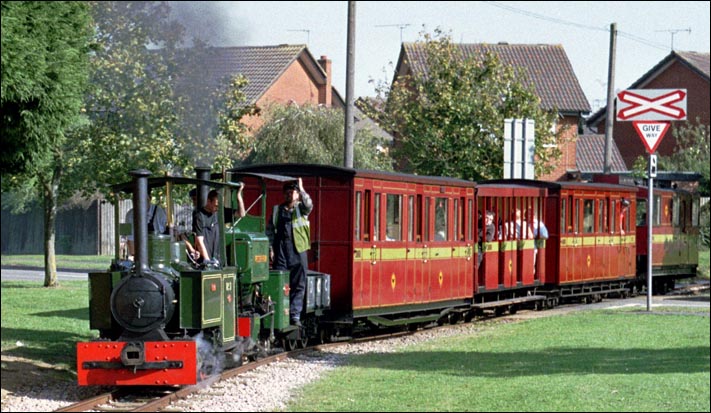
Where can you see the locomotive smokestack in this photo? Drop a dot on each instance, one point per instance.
(202, 172)
(140, 223)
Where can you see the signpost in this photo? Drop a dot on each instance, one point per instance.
(651, 111)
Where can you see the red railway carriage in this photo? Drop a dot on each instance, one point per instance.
(592, 238)
(399, 248)
(675, 233)
(512, 257)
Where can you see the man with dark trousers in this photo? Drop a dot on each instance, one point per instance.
(289, 238)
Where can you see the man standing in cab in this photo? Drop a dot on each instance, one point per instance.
(289, 238)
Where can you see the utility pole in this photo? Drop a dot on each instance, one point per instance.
(401, 26)
(350, 70)
(610, 116)
(673, 32)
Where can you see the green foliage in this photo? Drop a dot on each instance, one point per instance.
(45, 67)
(233, 143)
(692, 153)
(132, 105)
(450, 120)
(314, 134)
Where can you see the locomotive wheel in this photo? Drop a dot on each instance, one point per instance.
(289, 344)
(304, 341)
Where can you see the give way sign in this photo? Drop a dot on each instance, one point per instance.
(651, 133)
(651, 104)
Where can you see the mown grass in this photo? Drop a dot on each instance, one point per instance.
(44, 324)
(79, 262)
(592, 361)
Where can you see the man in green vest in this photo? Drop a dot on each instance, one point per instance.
(289, 239)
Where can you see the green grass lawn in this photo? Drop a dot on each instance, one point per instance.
(591, 361)
(79, 262)
(44, 324)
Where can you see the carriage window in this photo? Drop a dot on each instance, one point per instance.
(376, 220)
(456, 220)
(613, 216)
(427, 218)
(675, 212)
(393, 217)
(641, 212)
(357, 215)
(441, 219)
(410, 218)
(695, 212)
(470, 227)
(576, 214)
(366, 216)
(588, 216)
(602, 217)
(563, 216)
(657, 210)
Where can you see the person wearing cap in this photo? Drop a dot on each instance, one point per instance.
(289, 239)
(624, 206)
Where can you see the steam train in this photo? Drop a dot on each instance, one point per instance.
(389, 250)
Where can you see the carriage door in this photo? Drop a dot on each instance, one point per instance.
(365, 255)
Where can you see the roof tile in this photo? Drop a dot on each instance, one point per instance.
(547, 66)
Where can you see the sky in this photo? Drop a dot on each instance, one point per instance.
(645, 32)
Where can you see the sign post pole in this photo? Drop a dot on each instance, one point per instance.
(650, 111)
(651, 173)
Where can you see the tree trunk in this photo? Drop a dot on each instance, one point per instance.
(50, 189)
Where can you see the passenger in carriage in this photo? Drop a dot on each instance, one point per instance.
(514, 226)
(624, 207)
(486, 232)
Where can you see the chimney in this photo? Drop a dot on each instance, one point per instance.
(324, 92)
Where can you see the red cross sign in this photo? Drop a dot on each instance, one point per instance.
(651, 105)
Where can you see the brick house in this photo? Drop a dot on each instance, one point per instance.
(550, 73)
(276, 74)
(679, 70)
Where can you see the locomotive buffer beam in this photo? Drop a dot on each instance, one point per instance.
(519, 300)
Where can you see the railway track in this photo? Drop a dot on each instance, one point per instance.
(152, 399)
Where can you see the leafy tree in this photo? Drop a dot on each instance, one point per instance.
(314, 134)
(45, 64)
(691, 154)
(450, 120)
(153, 105)
(233, 142)
(133, 109)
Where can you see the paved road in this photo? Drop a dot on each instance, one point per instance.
(13, 274)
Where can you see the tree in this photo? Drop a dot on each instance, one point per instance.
(45, 66)
(233, 143)
(314, 134)
(449, 119)
(135, 114)
(692, 153)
